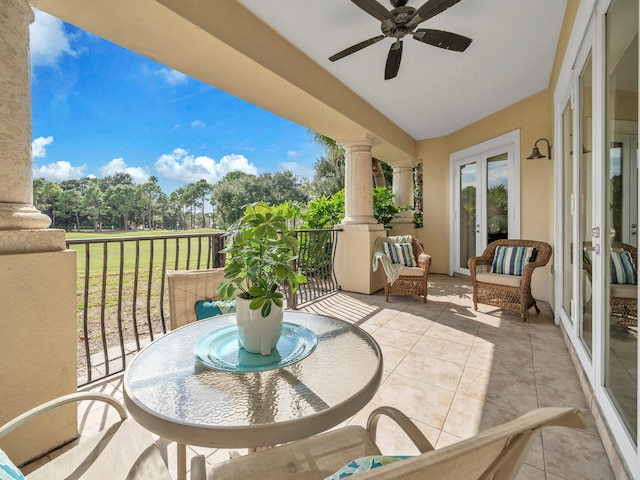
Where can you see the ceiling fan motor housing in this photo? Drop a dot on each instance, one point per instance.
(398, 29)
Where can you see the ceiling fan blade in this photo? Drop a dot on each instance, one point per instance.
(375, 9)
(442, 39)
(430, 9)
(355, 48)
(393, 60)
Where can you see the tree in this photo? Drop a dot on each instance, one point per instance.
(236, 190)
(199, 194)
(149, 194)
(45, 197)
(93, 204)
(120, 200)
(70, 203)
(329, 169)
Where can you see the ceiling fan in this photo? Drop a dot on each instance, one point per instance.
(403, 20)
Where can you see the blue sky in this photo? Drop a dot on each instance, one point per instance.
(99, 109)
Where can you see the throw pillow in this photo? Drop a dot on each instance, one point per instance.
(400, 253)
(623, 270)
(364, 464)
(8, 471)
(211, 308)
(511, 260)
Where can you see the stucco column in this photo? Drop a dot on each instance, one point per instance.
(16, 181)
(403, 190)
(37, 273)
(358, 182)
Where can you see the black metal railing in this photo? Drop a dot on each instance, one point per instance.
(316, 261)
(123, 300)
(122, 294)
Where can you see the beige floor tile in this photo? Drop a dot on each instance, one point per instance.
(531, 473)
(442, 349)
(433, 371)
(391, 357)
(410, 323)
(581, 454)
(394, 338)
(451, 334)
(464, 417)
(426, 403)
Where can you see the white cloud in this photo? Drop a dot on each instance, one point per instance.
(181, 167)
(198, 124)
(59, 171)
(293, 153)
(118, 165)
(172, 77)
(48, 40)
(39, 146)
(297, 169)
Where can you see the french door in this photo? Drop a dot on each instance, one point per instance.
(485, 197)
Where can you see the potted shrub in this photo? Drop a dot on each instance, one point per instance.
(260, 255)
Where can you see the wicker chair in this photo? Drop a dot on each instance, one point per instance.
(506, 291)
(624, 298)
(412, 280)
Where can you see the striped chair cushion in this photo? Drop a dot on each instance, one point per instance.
(401, 253)
(511, 260)
(623, 270)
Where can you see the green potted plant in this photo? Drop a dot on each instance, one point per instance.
(260, 254)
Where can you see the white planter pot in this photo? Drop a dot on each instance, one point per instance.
(257, 334)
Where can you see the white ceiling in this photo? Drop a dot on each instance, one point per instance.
(436, 91)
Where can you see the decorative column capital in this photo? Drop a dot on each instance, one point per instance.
(363, 140)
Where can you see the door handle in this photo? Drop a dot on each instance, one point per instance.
(477, 228)
(595, 249)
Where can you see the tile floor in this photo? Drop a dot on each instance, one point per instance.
(455, 372)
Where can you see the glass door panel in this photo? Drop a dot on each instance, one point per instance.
(468, 225)
(497, 197)
(567, 210)
(586, 202)
(621, 190)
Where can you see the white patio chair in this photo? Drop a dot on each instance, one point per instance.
(496, 454)
(124, 451)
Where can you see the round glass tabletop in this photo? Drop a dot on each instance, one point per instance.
(174, 395)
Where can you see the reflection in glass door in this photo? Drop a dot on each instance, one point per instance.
(586, 203)
(468, 228)
(621, 187)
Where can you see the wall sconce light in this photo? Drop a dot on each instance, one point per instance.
(535, 154)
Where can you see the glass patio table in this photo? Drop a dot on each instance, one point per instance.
(173, 394)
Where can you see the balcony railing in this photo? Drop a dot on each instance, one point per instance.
(123, 302)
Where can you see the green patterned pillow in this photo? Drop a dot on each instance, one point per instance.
(364, 464)
(8, 471)
(400, 253)
(212, 308)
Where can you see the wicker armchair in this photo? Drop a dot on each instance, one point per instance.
(510, 292)
(412, 280)
(624, 298)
